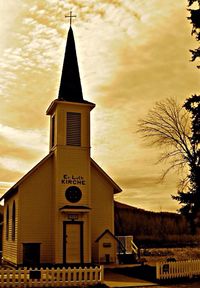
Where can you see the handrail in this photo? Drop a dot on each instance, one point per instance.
(134, 246)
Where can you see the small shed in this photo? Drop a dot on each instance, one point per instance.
(107, 247)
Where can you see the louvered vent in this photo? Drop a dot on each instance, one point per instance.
(73, 129)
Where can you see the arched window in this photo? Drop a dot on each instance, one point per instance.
(13, 220)
(7, 223)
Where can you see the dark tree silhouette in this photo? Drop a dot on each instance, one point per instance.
(190, 199)
(195, 21)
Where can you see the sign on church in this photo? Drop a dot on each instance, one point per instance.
(75, 180)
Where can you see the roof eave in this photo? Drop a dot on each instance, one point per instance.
(54, 103)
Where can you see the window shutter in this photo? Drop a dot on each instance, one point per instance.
(73, 129)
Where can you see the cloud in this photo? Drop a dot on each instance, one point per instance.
(139, 181)
(14, 164)
(149, 195)
(9, 177)
(29, 139)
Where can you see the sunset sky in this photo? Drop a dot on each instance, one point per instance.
(131, 54)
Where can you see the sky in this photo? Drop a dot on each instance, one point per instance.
(131, 53)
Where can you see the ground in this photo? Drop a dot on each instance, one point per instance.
(153, 255)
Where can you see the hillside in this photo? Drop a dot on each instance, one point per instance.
(150, 228)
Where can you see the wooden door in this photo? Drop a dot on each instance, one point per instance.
(73, 242)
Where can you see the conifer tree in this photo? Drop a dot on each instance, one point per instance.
(190, 199)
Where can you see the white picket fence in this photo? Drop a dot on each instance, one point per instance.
(179, 269)
(54, 277)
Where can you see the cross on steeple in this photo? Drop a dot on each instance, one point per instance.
(70, 18)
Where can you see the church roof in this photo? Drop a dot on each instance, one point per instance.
(70, 84)
(14, 188)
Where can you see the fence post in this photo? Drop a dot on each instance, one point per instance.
(101, 273)
(69, 273)
(20, 273)
(74, 275)
(85, 275)
(2, 277)
(52, 273)
(190, 268)
(7, 277)
(91, 275)
(79, 276)
(12, 280)
(158, 270)
(96, 276)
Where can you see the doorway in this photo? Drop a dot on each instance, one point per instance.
(73, 242)
(31, 254)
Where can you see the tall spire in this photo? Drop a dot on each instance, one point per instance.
(70, 84)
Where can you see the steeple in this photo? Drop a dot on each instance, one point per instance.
(70, 84)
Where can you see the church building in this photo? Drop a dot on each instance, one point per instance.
(62, 210)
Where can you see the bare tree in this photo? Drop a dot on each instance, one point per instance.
(167, 126)
(171, 127)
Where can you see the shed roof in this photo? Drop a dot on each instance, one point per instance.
(107, 231)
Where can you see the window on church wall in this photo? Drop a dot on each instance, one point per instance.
(7, 222)
(53, 131)
(13, 220)
(73, 129)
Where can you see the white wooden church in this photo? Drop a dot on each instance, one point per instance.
(62, 210)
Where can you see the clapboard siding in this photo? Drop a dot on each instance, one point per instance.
(73, 163)
(102, 214)
(36, 210)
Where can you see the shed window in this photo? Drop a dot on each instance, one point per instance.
(13, 220)
(7, 222)
(73, 129)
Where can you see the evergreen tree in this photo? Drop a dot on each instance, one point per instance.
(190, 199)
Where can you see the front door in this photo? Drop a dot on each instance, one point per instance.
(73, 242)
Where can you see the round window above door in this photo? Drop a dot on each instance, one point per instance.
(73, 194)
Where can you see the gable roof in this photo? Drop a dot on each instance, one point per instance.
(116, 188)
(107, 231)
(14, 188)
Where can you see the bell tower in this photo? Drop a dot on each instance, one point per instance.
(70, 143)
(70, 94)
